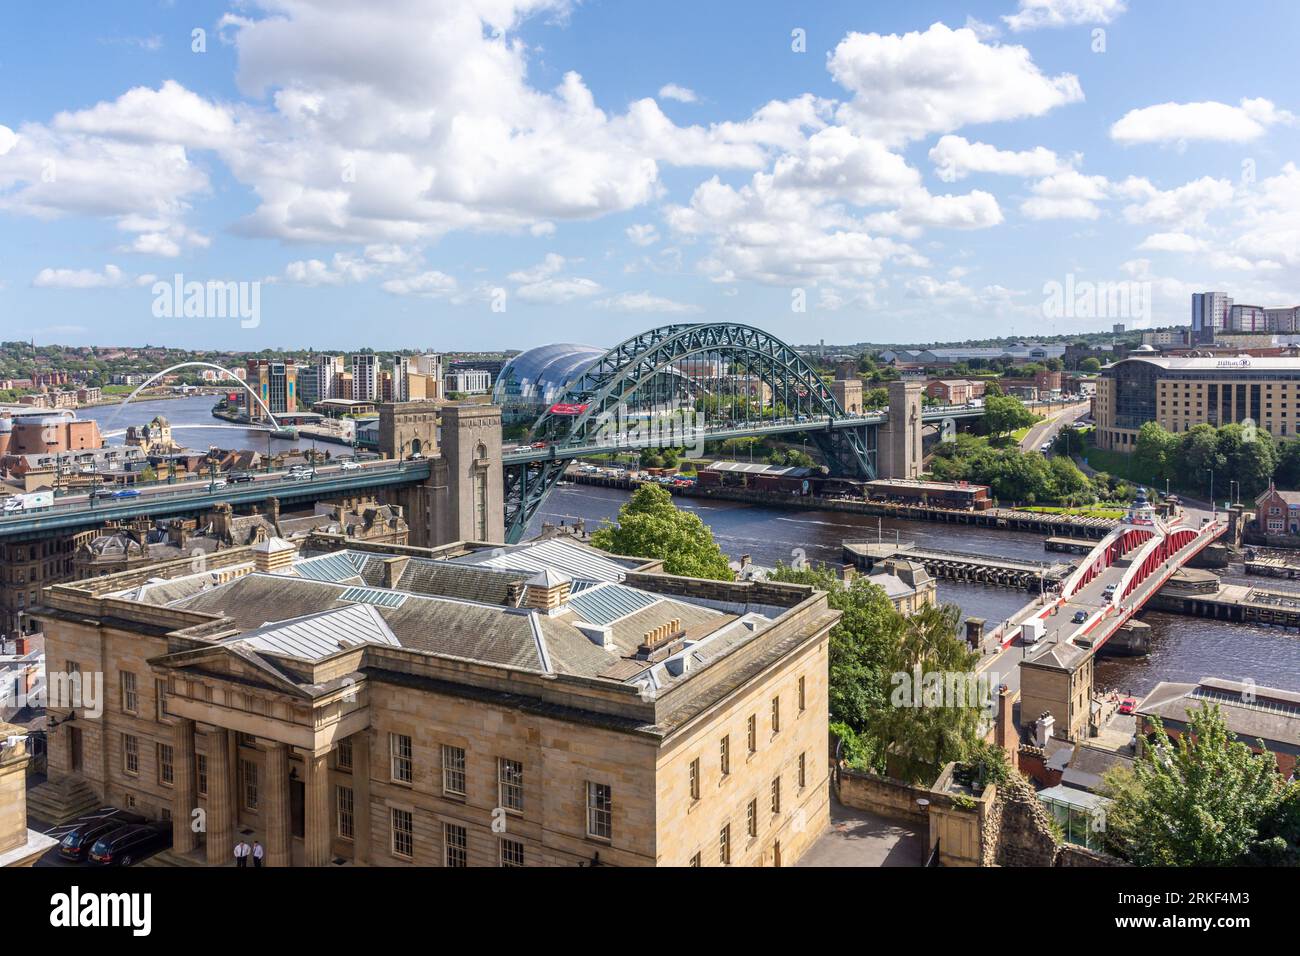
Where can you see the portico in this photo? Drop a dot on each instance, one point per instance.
(269, 723)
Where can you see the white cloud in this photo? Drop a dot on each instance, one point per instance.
(1034, 14)
(433, 285)
(645, 302)
(1185, 206)
(111, 277)
(1066, 195)
(1171, 242)
(7, 139)
(557, 291)
(938, 81)
(671, 91)
(642, 234)
(1219, 122)
(955, 157)
(548, 267)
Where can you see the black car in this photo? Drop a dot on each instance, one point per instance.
(1080, 617)
(76, 843)
(131, 843)
(240, 476)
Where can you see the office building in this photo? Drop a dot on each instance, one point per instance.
(469, 382)
(276, 383)
(1248, 318)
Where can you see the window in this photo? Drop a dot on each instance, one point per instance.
(724, 755)
(166, 771)
(803, 771)
(724, 845)
(695, 861)
(512, 853)
(776, 715)
(403, 834)
(510, 784)
(160, 699)
(776, 794)
(401, 768)
(130, 700)
(751, 818)
(695, 779)
(250, 784)
(600, 811)
(246, 740)
(343, 812)
(803, 700)
(453, 770)
(455, 846)
(343, 755)
(201, 765)
(131, 754)
(753, 734)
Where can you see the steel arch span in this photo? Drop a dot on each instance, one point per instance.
(216, 368)
(639, 366)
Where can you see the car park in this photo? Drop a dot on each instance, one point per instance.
(130, 844)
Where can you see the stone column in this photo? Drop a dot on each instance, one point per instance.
(316, 799)
(185, 792)
(361, 797)
(275, 808)
(221, 800)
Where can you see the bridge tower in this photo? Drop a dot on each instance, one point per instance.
(462, 499)
(899, 447)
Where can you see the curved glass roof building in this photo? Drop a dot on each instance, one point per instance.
(534, 380)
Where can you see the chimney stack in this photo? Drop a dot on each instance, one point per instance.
(393, 568)
(273, 556)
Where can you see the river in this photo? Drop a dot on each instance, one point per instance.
(1184, 649)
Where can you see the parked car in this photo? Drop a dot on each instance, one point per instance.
(1128, 705)
(125, 846)
(76, 843)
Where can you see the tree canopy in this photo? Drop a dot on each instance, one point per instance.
(651, 526)
(1005, 413)
(1205, 799)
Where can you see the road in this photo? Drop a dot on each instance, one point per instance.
(1048, 429)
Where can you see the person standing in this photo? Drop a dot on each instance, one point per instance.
(241, 853)
(259, 852)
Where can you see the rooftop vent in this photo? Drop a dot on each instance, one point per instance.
(548, 590)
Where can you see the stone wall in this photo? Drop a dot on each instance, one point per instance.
(1018, 832)
(885, 796)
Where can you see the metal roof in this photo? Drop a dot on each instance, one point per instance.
(321, 634)
(337, 566)
(575, 561)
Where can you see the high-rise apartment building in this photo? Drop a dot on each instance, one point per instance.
(1283, 320)
(328, 370)
(1211, 313)
(365, 377)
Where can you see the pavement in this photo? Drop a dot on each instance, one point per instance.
(859, 838)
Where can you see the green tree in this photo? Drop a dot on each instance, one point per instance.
(651, 526)
(1157, 452)
(1090, 365)
(1199, 801)
(860, 647)
(1200, 455)
(1004, 413)
(923, 738)
(1287, 474)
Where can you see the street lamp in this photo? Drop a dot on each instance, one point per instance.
(1213, 505)
(1234, 490)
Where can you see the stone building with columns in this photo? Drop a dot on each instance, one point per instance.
(358, 703)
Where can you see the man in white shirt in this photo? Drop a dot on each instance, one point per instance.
(241, 853)
(259, 852)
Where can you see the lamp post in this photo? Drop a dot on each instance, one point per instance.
(1213, 504)
(1234, 490)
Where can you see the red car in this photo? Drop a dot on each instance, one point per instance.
(1128, 705)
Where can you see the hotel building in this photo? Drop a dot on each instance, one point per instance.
(354, 703)
(1180, 393)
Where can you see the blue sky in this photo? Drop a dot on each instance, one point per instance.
(472, 174)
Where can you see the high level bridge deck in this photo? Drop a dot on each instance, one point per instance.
(960, 565)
